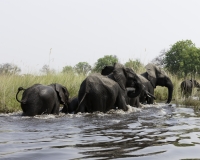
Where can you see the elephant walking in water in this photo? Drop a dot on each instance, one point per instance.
(156, 77)
(145, 91)
(72, 107)
(43, 99)
(153, 77)
(102, 93)
(187, 86)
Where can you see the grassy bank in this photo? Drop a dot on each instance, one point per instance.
(161, 94)
(10, 83)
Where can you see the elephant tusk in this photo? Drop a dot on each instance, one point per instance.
(150, 95)
(130, 89)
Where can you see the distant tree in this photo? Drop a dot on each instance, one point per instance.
(106, 60)
(136, 65)
(9, 68)
(46, 70)
(82, 68)
(68, 69)
(183, 58)
(159, 60)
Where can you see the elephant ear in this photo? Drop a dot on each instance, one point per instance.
(120, 75)
(151, 70)
(154, 73)
(62, 92)
(107, 70)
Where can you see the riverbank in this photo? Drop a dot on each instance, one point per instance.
(10, 84)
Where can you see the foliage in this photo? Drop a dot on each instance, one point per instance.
(10, 84)
(183, 58)
(189, 102)
(102, 62)
(46, 70)
(68, 69)
(159, 60)
(9, 68)
(136, 65)
(82, 68)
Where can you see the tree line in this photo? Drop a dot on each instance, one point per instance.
(181, 59)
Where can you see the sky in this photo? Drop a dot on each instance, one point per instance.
(59, 33)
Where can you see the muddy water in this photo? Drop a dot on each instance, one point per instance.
(154, 132)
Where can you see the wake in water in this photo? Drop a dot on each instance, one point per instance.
(158, 109)
(159, 131)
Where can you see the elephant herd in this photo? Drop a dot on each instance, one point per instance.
(187, 87)
(116, 87)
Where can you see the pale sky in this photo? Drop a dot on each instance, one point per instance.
(86, 30)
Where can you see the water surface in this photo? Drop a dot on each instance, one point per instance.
(154, 132)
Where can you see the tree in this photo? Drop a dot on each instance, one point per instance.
(159, 61)
(106, 60)
(68, 69)
(183, 58)
(9, 68)
(135, 65)
(82, 68)
(46, 70)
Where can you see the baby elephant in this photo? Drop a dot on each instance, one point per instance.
(72, 107)
(43, 99)
(187, 86)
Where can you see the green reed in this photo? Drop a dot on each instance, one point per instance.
(10, 83)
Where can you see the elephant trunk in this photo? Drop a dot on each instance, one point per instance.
(132, 93)
(19, 89)
(170, 91)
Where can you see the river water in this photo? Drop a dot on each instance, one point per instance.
(153, 132)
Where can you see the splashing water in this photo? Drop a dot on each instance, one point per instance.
(152, 132)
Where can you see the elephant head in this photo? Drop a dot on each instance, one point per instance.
(125, 77)
(158, 77)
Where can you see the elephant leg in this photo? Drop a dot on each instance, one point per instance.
(137, 102)
(55, 110)
(81, 109)
(150, 100)
(121, 102)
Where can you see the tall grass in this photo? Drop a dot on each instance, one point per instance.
(161, 94)
(10, 83)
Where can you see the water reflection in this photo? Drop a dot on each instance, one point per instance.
(153, 132)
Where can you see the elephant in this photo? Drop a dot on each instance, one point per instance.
(73, 105)
(43, 99)
(135, 102)
(102, 93)
(157, 77)
(145, 96)
(187, 86)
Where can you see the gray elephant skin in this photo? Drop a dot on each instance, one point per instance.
(72, 107)
(43, 99)
(153, 77)
(102, 93)
(187, 87)
(145, 96)
(144, 92)
(157, 77)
